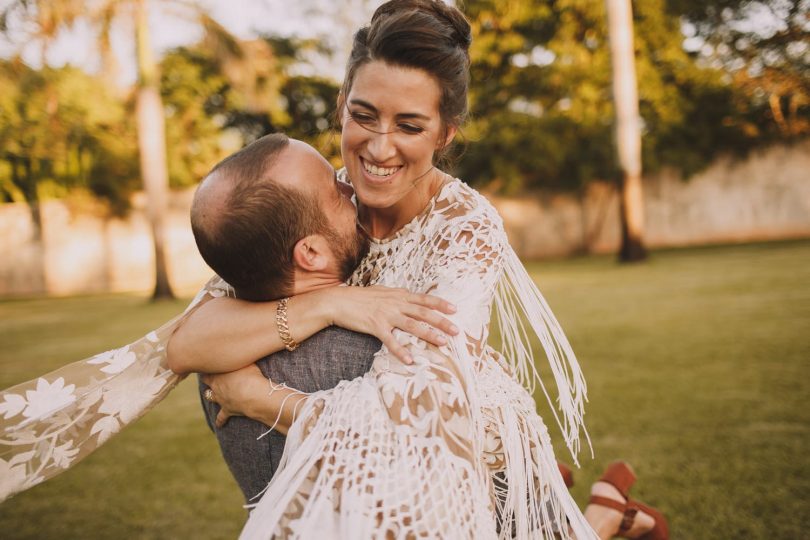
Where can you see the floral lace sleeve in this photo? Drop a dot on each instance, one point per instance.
(49, 424)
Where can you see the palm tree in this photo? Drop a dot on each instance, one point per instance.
(151, 126)
(50, 17)
(628, 129)
(151, 123)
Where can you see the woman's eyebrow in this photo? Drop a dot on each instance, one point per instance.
(369, 106)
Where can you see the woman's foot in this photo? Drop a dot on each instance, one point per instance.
(612, 513)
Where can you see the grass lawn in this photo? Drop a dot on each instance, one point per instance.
(697, 368)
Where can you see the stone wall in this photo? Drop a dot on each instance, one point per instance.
(765, 196)
(82, 251)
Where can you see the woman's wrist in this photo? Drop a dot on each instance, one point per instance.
(319, 306)
(275, 406)
(253, 401)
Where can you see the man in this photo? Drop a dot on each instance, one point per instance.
(272, 220)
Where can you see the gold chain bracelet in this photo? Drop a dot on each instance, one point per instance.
(283, 326)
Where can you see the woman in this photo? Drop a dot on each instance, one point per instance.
(449, 445)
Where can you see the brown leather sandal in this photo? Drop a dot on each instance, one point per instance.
(660, 530)
(620, 476)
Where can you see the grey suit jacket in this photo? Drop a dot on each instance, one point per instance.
(321, 362)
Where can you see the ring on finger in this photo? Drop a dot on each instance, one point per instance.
(208, 395)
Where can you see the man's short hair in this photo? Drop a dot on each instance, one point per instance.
(250, 245)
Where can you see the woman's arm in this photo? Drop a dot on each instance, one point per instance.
(225, 334)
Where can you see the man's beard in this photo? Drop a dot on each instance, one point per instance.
(349, 251)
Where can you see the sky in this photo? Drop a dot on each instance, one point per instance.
(244, 18)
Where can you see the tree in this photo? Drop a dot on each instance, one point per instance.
(628, 129)
(218, 99)
(763, 46)
(152, 146)
(196, 97)
(540, 97)
(50, 18)
(59, 130)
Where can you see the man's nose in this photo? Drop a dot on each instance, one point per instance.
(381, 147)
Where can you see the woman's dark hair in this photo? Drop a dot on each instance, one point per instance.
(423, 34)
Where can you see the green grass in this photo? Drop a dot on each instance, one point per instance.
(697, 369)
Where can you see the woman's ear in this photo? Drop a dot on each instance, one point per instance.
(312, 254)
(450, 132)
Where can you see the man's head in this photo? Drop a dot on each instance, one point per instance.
(272, 217)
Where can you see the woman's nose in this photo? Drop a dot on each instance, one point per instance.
(381, 147)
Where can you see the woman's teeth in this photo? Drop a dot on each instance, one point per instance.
(379, 171)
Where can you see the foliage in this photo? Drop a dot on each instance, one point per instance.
(309, 98)
(194, 93)
(541, 105)
(62, 128)
(765, 48)
(541, 109)
(59, 128)
(221, 99)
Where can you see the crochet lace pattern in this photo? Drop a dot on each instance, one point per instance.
(450, 446)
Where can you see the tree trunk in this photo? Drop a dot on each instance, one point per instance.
(628, 130)
(152, 148)
(28, 185)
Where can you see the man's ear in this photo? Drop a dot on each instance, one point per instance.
(448, 137)
(312, 254)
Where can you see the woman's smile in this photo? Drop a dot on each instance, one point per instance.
(378, 173)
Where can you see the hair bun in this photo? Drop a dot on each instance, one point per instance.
(449, 15)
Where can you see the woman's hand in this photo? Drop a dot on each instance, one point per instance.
(238, 393)
(377, 310)
(247, 392)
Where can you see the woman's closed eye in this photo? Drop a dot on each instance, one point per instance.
(410, 129)
(369, 121)
(362, 118)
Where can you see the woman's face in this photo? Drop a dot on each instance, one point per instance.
(391, 129)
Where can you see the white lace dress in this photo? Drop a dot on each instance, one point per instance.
(449, 447)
